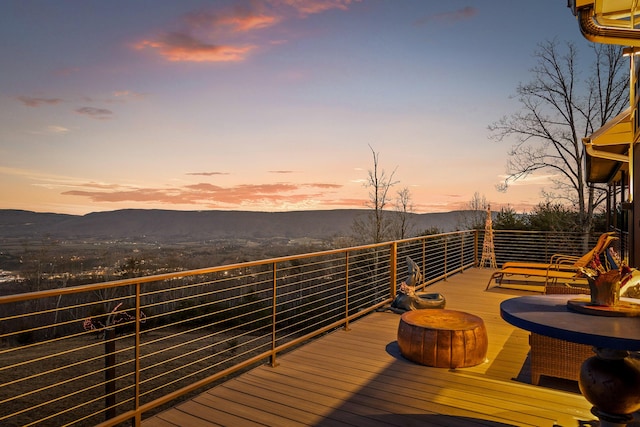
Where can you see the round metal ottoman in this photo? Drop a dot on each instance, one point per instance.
(442, 338)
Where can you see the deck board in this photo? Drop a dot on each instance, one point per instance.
(358, 377)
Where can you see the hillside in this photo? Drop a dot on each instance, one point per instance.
(179, 226)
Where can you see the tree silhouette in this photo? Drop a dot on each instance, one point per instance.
(558, 110)
(376, 227)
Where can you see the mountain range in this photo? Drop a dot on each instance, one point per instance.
(179, 226)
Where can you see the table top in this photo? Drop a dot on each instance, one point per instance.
(549, 315)
(442, 319)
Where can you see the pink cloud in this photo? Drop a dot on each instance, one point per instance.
(208, 173)
(127, 94)
(237, 19)
(37, 102)
(449, 17)
(101, 186)
(349, 203)
(95, 113)
(248, 23)
(322, 185)
(65, 72)
(309, 7)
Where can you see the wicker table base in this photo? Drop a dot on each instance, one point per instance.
(556, 358)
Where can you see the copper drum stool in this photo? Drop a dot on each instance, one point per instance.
(442, 338)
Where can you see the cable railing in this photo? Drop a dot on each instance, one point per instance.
(114, 352)
(539, 246)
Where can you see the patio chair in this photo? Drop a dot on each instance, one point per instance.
(562, 268)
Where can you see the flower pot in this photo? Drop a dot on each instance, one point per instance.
(605, 288)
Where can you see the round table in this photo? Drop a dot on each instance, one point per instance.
(549, 315)
(611, 337)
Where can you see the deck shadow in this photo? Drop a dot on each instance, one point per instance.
(561, 384)
(427, 420)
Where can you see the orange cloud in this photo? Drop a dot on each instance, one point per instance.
(237, 19)
(249, 23)
(177, 47)
(216, 36)
(194, 43)
(206, 193)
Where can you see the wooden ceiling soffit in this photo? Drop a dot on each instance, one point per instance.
(608, 149)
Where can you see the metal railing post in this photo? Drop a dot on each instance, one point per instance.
(476, 239)
(424, 259)
(393, 265)
(461, 252)
(137, 421)
(446, 270)
(346, 291)
(110, 372)
(273, 317)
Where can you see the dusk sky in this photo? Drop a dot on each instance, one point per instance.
(266, 105)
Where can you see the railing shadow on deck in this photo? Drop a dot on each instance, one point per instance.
(407, 411)
(115, 351)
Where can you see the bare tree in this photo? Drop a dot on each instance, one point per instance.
(404, 207)
(475, 215)
(558, 110)
(376, 226)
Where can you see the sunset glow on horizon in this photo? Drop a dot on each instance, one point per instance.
(264, 105)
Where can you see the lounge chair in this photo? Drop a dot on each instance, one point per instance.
(550, 275)
(562, 267)
(568, 262)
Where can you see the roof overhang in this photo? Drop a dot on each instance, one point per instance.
(608, 21)
(608, 149)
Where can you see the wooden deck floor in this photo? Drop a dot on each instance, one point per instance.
(359, 378)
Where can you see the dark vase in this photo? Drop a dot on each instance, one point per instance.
(611, 382)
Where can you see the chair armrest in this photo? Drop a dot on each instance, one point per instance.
(563, 259)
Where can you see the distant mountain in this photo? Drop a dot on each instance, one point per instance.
(182, 226)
